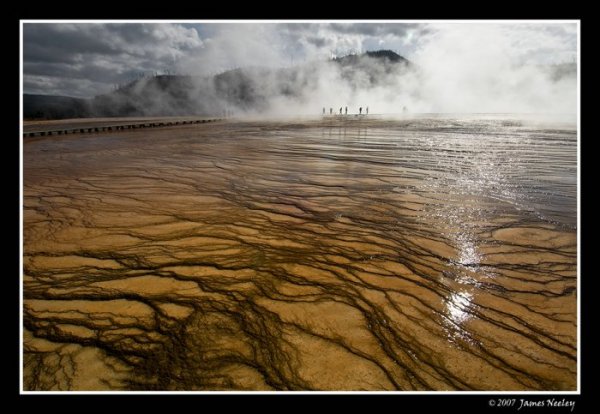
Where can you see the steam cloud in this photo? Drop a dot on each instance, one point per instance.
(467, 68)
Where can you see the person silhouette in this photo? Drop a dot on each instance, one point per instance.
(330, 111)
(323, 110)
(360, 110)
(340, 110)
(346, 110)
(367, 110)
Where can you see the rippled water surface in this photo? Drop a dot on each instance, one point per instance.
(433, 253)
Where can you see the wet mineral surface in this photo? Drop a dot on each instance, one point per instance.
(434, 253)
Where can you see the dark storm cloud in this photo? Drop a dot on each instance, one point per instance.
(101, 54)
(351, 37)
(376, 29)
(329, 34)
(57, 43)
(42, 41)
(86, 59)
(365, 29)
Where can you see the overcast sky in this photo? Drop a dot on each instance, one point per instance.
(87, 59)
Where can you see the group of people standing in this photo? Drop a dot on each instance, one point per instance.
(360, 110)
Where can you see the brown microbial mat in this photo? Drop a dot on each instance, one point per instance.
(432, 253)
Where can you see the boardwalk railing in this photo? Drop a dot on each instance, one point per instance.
(116, 127)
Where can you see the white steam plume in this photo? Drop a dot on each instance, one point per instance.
(458, 68)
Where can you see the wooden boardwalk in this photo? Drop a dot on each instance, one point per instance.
(90, 127)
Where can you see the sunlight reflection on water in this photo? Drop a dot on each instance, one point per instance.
(457, 306)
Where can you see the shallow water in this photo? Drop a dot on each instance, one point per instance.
(431, 253)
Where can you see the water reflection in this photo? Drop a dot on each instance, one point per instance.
(467, 251)
(458, 305)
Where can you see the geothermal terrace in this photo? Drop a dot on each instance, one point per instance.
(425, 253)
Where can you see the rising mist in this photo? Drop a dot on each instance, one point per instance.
(298, 69)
